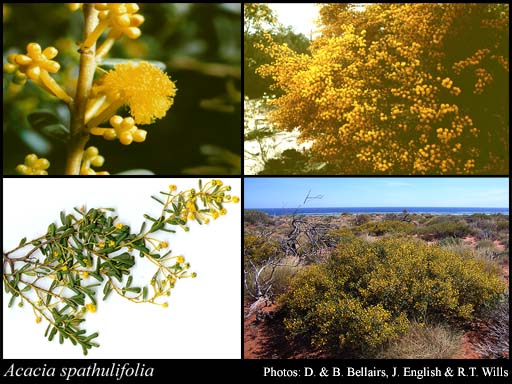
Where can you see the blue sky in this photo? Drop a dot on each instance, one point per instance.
(290, 192)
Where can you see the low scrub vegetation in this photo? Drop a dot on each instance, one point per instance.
(381, 286)
(365, 293)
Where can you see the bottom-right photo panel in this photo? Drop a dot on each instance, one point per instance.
(376, 268)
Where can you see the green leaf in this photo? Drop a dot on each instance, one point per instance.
(111, 63)
(41, 118)
(51, 229)
(93, 336)
(149, 217)
(22, 242)
(157, 199)
(156, 227)
(11, 302)
(56, 131)
(144, 293)
(52, 334)
(107, 289)
(106, 250)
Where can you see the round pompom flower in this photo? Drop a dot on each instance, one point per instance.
(146, 89)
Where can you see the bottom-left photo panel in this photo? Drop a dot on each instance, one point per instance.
(132, 268)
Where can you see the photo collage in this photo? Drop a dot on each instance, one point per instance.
(356, 228)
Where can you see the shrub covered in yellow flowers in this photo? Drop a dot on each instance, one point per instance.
(414, 88)
(366, 293)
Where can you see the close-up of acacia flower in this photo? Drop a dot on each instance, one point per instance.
(144, 88)
(123, 129)
(33, 165)
(92, 158)
(37, 64)
(93, 71)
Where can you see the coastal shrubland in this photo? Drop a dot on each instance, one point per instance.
(381, 286)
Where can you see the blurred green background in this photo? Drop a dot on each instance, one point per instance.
(201, 47)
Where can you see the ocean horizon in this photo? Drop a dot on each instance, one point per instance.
(381, 210)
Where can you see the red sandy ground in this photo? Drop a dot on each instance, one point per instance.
(262, 341)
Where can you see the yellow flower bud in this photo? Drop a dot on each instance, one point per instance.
(90, 307)
(33, 166)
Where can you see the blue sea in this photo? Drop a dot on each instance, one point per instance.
(355, 210)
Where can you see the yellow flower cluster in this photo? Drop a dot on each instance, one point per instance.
(37, 64)
(90, 307)
(92, 158)
(447, 83)
(122, 18)
(213, 205)
(484, 78)
(472, 60)
(74, 6)
(124, 129)
(146, 89)
(502, 60)
(33, 166)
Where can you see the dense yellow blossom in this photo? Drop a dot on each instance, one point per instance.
(146, 89)
(366, 293)
(385, 90)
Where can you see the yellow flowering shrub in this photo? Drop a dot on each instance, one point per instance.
(414, 88)
(366, 293)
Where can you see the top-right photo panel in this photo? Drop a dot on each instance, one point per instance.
(376, 89)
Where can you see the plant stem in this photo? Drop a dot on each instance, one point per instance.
(79, 135)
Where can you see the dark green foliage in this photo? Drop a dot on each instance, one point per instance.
(444, 229)
(256, 217)
(362, 218)
(379, 228)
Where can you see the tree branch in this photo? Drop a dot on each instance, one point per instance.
(79, 135)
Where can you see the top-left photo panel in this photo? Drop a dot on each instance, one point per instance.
(122, 89)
